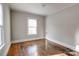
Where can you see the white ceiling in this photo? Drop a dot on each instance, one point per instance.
(40, 8)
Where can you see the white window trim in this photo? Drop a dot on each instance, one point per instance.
(1, 46)
(28, 26)
(2, 26)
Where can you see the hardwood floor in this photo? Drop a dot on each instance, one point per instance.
(39, 47)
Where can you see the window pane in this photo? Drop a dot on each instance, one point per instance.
(32, 22)
(32, 26)
(0, 36)
(1, 15)
(32, 30)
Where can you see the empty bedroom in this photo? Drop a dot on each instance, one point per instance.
(39, 29)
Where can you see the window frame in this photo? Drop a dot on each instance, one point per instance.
(32, 26)
(2, 29)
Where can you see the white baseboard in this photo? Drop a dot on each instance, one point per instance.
(63, 44)
(22, 40)
(7, 49)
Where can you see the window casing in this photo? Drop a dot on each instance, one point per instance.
(1, 27)
(32, 26)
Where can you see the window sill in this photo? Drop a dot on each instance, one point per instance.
(1, 46)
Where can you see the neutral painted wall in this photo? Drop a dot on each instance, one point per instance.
(63, 26)
(6, 19)
(19, 26)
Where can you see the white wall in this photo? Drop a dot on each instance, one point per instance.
(19, 25)
(6, 19)
(62, 26)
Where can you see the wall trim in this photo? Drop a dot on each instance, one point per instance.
(7, 49)
(23, 40)
(63, 44)
(2, 46)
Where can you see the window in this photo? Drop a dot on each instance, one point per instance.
(32, 26)
(1, 27)
(0, 36)
(1, 22)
